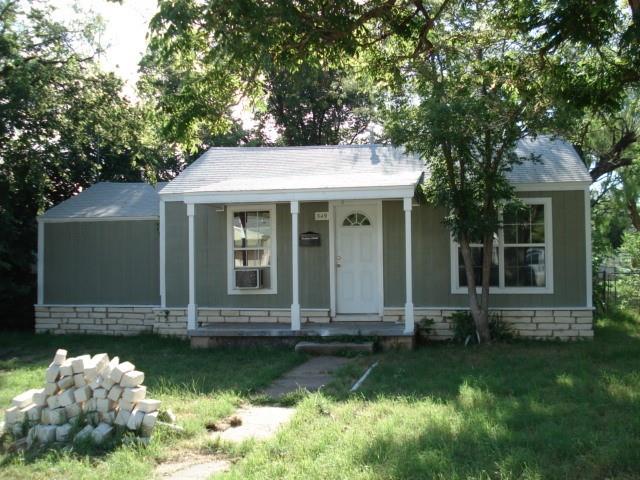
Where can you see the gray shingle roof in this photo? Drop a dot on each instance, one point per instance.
(558, 162)
(110, 200)
(239, 169)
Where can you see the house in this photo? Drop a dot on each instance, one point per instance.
(295, 241)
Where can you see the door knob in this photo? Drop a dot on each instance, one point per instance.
(338, 261)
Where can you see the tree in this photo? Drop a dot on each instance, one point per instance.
(316, 105)
(464, 80)
(64, 125)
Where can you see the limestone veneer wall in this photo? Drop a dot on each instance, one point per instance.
(538, 324)
(547, 324)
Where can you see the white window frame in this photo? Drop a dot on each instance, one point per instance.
(502, 289)
(273, 268)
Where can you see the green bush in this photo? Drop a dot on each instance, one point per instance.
(628, 282)
(464, 328)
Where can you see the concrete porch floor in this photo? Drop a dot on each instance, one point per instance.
(228, 334)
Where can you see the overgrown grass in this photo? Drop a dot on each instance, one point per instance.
(520, 410)
(523, 410)
(198, 385)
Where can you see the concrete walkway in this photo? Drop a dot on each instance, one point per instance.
(258, 423)
(311, 375)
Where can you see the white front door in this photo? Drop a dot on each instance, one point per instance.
(357, 258)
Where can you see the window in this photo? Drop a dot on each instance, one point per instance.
(251, 249)
(356, 219)
(521, 257)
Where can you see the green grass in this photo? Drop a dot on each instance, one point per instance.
(198, 385)
(522, 410)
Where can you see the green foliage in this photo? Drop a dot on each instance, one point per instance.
(464, 328)
(628, 283)
(315, 105)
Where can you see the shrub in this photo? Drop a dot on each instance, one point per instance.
(464, 328)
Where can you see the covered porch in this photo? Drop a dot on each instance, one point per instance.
(304, 240)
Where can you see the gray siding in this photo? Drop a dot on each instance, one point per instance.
(431, 257)
(211, 259)
(108, 262)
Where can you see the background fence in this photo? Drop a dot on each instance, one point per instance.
(618, 289)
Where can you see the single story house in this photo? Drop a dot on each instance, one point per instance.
(298, 241)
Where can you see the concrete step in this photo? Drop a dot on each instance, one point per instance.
(333, 348)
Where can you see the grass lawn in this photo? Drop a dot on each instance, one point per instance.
(198, 385)
(522, 410)
(526, 410)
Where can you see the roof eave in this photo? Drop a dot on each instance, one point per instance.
(551, 186)
(313, 194)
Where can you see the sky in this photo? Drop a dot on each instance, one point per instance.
(124, 36)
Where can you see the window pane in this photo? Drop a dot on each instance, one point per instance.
(524, 266)
(537, 233)
(251, 258)
(523, 225)
(252, 229)
(476, 254)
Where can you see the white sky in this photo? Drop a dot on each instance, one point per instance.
(124, 36)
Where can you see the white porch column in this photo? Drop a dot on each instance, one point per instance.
(408, 306)
(40, 262)
(295, 287)
(163, 256)
(191, 309)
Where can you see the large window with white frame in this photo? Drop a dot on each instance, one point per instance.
(522, 257)
(251, 252)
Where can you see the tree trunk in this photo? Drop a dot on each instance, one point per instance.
(479, 314)
(632, 207)
(487, 254)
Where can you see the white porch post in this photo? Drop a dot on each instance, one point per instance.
(408, 306)
(40, 262)
(295, 287)
(191, 309)
(163, 256)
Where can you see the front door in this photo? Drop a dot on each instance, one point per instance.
(357, 259)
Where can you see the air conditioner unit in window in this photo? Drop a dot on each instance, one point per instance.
(250, 278)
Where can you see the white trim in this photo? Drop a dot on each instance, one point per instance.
(295, 267)
(589, 253)
(163, 254)
(550, 186)
(332, 260)
(94, 219)
(409, 324)
(191, 308)
(380, 261)
(502, 289)
(273, 268)
(323, 194)
(40, 267)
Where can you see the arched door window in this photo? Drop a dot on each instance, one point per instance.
(356, 219)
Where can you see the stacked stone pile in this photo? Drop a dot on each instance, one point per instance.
(84, 398)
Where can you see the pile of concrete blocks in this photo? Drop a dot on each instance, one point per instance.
(84, 398)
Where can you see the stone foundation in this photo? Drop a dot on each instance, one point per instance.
(535, 324)
(131, 320)
(233, 315)
(110, 320)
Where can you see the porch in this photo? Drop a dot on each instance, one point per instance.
(389, 335)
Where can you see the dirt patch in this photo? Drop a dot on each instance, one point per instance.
(192, 466)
